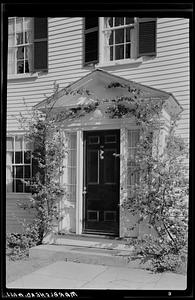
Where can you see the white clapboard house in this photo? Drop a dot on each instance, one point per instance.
(151, 54)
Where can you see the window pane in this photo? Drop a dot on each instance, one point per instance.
(19, 172)
(129, 20)
(119, 52)
(111, 53)
(119, 21)
(128, 51)
(28, 30)
(111, 38)
(128, 34)
(20, 67)
(29, 57)
(19, 186)
(119, 36)
(26, 67)
(19, 38)
(18, 157)
(27, 171)
(20, 53)
(19, 31)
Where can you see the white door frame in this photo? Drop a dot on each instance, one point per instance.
(79, 186)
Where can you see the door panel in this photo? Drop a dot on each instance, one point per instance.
(101, 182)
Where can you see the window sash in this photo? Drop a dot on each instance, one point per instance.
(133, 176)
(71, 165)
(26, 62)
(17, 171)
(123, 50)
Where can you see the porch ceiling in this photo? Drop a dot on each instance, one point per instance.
(95, 86)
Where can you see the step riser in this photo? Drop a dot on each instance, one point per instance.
(81, 257)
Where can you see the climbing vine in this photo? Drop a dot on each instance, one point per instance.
(160, 196)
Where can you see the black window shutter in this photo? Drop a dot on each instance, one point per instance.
(40, 44)
(91, 40)
(146, 37)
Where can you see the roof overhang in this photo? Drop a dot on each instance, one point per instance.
(100, 85)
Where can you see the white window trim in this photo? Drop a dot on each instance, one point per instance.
(18, 75)
(20, 135)
(102, 62)
(23, 76)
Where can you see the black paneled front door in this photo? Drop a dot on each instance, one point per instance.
(101, 182)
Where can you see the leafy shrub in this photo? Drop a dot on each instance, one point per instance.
(18, 244)
(161, 255)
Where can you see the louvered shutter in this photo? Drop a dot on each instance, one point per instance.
(91, 40)
(40, 44)
(146, 37)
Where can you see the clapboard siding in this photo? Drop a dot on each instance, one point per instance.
(15, 214)
(169, 71)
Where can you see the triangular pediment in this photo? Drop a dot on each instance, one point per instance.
(101, 85)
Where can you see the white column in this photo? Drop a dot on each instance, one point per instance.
(79, 183)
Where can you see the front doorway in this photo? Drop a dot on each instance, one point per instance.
(101, 182)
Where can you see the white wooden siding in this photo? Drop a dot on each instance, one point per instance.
(15, 214)
(169, 71)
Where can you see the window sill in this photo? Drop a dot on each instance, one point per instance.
(119, 62)
(23, 76)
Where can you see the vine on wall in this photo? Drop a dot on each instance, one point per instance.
(161, 194)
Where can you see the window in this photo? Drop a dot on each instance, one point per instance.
(18, 165)
(27, 45)
(132, 171)
(121, 38)
(71, 166)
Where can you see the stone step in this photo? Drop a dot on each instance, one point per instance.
(84, 254)
(93, 242)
